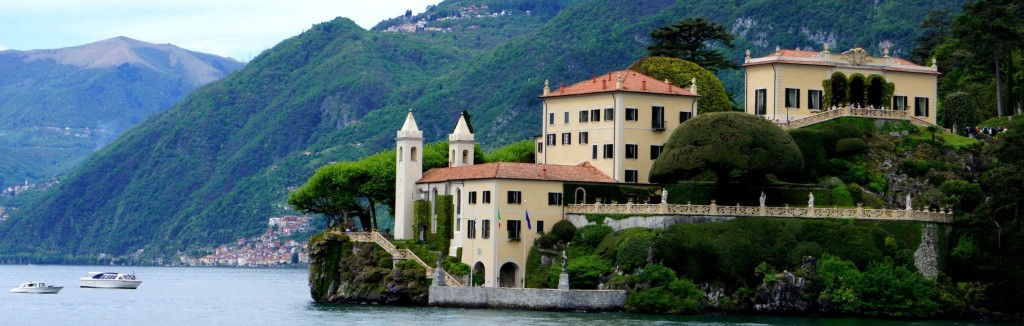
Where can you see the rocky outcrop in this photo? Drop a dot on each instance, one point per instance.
(342, 271)
(783, 295)
(926, 257)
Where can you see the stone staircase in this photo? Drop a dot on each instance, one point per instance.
(397, 254)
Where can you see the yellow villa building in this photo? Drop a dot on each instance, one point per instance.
(604, 131)
(791, 84)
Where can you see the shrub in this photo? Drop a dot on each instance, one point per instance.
(585, 272)
(591, 235)
(563, 231)
(812, 148)
(632, 254)
(850, 146)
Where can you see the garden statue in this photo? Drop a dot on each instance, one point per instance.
(762, 198)
(565, 263)
(909, 207)
(810, 199)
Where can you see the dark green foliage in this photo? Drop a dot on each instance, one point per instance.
(837, 92)
(883, 289)
(659, 291)
(563, 231)
(609, 246)
(405, 285)
(680, 72)
(585, 272)
(445, 215)
(857, 89)
(633, 252)
(591, 235)
(520, 151)
(812, 148)
(847, 146)
(958, 112)
(695, 40)
(732, 145)
(421, 219)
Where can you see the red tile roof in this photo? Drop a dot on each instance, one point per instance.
(632, 82)
(905, 62)
(583, 172)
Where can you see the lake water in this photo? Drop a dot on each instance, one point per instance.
(237, 296)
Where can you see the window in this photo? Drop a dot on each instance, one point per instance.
(631, 176)
(684, 116)
(551, 140)
(513, 229)
(487, 197)
(584, 115)
(632, 114)
(565, 118)
(566, 138)
(921, 106)
(584, 137)
(540, 147)
(551, 118)
(760, 101)
(471, 229)
(540, 226)
(631, 150)
(472, 197)
(595, 115)
(814, 99)
(658, 117)
(593, 155)
(899, 102)
(608, 151)
(656, 151)
(555, 198)
(792, 98)
(609, 114)
(515, 197)
(486, 229)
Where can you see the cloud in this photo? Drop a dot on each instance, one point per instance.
(2, 47)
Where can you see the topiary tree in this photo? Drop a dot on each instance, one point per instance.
(958, 111)
(713, 97)
(837, 89)
(563, 231)
(732, 145)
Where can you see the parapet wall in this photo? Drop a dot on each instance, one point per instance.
(529, 299)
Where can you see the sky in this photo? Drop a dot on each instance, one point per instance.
(239, 29)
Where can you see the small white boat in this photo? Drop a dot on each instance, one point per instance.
(36, 287)
(109, 280)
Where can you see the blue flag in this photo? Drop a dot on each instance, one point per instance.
(528, 225)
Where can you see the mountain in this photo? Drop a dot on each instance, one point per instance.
(215, 166)
(58, 106)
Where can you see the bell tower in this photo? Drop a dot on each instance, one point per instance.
(409, 169)
(461, 144)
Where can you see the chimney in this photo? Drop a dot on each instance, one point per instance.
(561, 88)
(643, 86)
(547, 87)
(669, 82)
(618, 81)
(604, 84)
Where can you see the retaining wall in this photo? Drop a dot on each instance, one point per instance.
(650, 222)
(529, 299)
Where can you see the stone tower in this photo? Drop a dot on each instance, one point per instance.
(409, 169)
(460, 144)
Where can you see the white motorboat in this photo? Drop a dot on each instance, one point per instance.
(36, 287)
(109, 280)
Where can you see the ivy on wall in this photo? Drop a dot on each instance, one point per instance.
(836, 90)
(421, 219)
(445, 214)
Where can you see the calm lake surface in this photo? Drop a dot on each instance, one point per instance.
(239, 296)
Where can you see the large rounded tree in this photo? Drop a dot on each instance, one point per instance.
(713, 97)
(734, 146)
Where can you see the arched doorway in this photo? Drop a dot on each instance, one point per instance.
(507, 275)
(477, 275)
(857, 90)
(580, 196)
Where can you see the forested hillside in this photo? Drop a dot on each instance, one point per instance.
(58, 106)
(219, 163)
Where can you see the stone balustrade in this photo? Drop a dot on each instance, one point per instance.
(714, 209)
(853, 112)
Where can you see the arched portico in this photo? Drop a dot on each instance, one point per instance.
(507, 275)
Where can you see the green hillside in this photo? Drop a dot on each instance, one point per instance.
(215, 166)
(58, 106)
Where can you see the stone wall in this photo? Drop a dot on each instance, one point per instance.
(651, 222)
(926, 257)
(529, 299)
